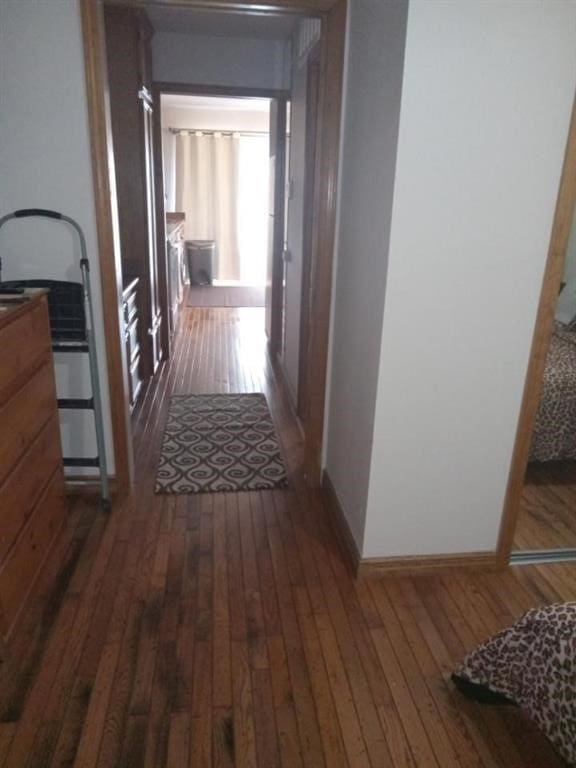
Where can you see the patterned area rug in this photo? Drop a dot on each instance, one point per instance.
(225, 296)
(219, 443)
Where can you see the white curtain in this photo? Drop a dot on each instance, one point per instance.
(253, 208)
(207, 170)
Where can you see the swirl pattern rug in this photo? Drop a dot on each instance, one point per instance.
(219, 443)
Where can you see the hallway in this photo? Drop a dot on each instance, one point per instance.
(227, 630)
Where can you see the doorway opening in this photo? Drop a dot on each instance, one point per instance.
(156, 286)
(216, 195)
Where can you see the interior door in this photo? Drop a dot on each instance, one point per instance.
(312, 101)
(277, 204)
(154, 296)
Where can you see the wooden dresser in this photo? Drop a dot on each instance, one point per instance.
(32, 500)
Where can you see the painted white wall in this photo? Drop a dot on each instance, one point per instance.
(373, 82)
(219, 119)
(487, 95)
(227, 61)
(45, 163)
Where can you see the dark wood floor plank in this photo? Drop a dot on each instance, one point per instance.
(202, 714)
(285, 714)
(222, 664)
(304, 706)
(243, 709)
(332, 734)
(445, 699)
(121, 608)
(7, 731)
(264, 719)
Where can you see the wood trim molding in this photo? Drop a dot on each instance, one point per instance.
(541, 341)
(311, 132)
(323, 234)
(339, 523)
(162, 254)
(87, 486)
(234, 92)
(290, 7)
(424, 565)
(104, 181)
(282, 379)
(277, 288)
(281, 97)
(333, 13)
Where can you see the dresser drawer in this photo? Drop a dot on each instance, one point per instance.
(24, 416)
(130, 306)
(131, 336)
(25, 341)
(26, 556)
(22, 489)
(135, 380)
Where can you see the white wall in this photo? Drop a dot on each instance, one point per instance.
(373, 78)
(487, 94)
(227, 61)
(45, 163)
(219, 119)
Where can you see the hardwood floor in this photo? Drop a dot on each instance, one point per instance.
(547, 518)
(226, 629)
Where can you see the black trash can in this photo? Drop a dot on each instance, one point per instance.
(200, 257)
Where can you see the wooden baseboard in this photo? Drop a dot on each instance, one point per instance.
(339, 522)
(80, 485)
(424, 565)
(280, 373)
(412, 565)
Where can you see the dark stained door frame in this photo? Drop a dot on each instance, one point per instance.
(333, 16)
(277, 299)
(194, 89)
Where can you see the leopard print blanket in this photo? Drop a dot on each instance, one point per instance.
(554, 435)
(533, 663)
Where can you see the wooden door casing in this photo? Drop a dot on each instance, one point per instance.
(128, 35)
(312, 94)
(274, 279)
(153, 295)
(333, 14)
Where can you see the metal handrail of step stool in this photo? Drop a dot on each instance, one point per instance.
(93, 360)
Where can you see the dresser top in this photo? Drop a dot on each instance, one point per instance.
(12, 306)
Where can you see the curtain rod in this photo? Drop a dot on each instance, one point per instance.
(212, 131)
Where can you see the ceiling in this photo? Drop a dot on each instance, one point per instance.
(264, 26)
(173, 100)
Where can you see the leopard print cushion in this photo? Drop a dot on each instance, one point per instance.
(533, 663)
(554, 435)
